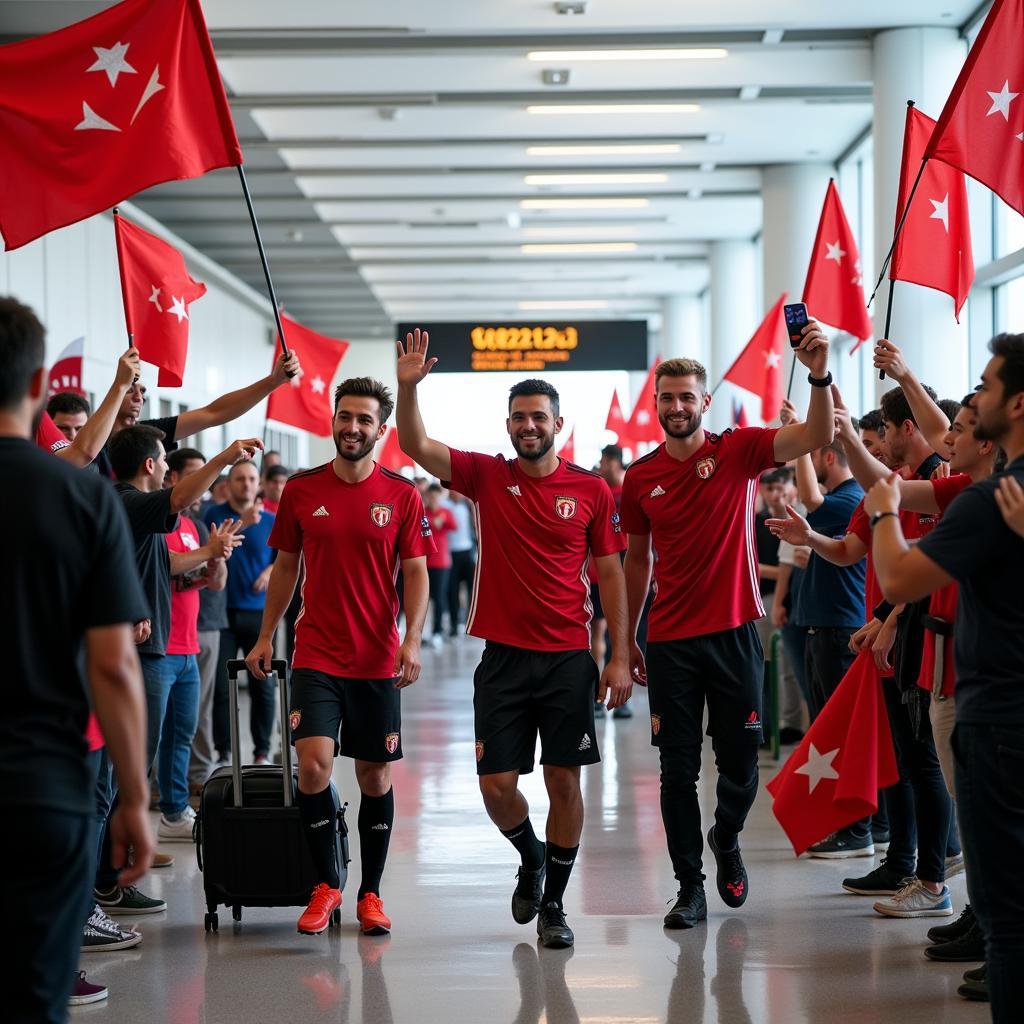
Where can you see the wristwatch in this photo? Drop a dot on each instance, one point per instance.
(820, 382)
(881, 515)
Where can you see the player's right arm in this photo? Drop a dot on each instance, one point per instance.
(283, 577)
(637, 567)
(412, 367)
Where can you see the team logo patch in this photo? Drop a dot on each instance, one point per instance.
(565, 507)
(391, 742)
(753, 721)
(616, 523)
(706, 467)
(380, 514)
(479, 750)
(294, 718)
(655, 724)
(425, 527)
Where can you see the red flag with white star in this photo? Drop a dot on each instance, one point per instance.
(934, 247)
(832, 779)
(157, 289)
(615, 421)
(758, 368)
(739, 415)
(834, 289)
(390, 454)
(981, 127)
(105, 108)
(305, 401)
(643, 422)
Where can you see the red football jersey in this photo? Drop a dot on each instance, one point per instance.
(352, 538)
(534, 536)
(184, 636)
(860, 526)
(48, 436)
(700, 514)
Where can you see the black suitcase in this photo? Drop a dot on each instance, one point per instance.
(249, 839)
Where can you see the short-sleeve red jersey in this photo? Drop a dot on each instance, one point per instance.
(700, 515)
(534, 536)
(48, 435)
(352, 538)
(184, 636)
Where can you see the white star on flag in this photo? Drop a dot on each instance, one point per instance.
(153, 86)
(178, 309)
(818, 766)
(112, 61)
(772, 360)
(90, 119)
(318, 385)
(1001, 101)
(155, 299)
(643, 417)
(941, 211)
(834, 252)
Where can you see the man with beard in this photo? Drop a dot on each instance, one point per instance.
(538, 518)
(693, 499)
(351, 523)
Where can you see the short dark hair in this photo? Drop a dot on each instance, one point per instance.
(434, 488)
(176, 460)
(67, 402)
(896, 409)
(276, 471)
(835, 446)
(22, 350)
(366, 387)
(872, 421)
(612, 451)
(534, 387)
(782, 475)
(129, 449)
(1011, 373)
(950, 406)
(967, 402)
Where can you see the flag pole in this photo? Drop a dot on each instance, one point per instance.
(792, 371)
(888, 318)
(263, 259)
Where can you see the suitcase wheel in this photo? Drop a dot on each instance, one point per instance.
(210, 922)
(335, 921)
(236, 913)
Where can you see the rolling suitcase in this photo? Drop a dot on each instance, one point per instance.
(249, 837)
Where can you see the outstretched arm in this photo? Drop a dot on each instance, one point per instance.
(801, 438)
(413, 366)
(931, 420)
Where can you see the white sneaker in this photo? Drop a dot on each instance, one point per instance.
(101, 934)
(916, 900)
(179, 831)
(436, 641)
(954, 866)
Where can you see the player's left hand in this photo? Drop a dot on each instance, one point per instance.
(407, 664)
(616, 684)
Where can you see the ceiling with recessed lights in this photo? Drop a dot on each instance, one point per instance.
(449, 160)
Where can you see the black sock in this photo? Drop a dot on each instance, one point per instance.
(524, 839)
(559, 860)
(319, 815)
(725, 841)
(376, 818)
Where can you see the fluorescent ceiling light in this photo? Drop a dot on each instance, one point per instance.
(612, 108)
(633, 149)
(564, 304)
(588, 230)
(596, 179)
(620, 203)
(690, 53)
(537, 248)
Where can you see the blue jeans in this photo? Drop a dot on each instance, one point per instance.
(172, 713)
(106, 804)
(990, 803)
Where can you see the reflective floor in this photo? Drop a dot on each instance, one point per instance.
(800, 950)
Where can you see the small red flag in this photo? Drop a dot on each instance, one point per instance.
(157, 290)
(981, 127)
(934, 247)
(615, 421)
(758, 368)
(832, 779)
(66, 372)
(390, 455)
(568, 451)
(643, 422)
(834, 289)
(305, 401)
(105, 108)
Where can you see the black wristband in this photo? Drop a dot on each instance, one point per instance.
(820, 382)
(881, 515)
(882, 611)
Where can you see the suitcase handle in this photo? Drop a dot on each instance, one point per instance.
(278, 669)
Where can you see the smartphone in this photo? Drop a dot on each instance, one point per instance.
(796, 321)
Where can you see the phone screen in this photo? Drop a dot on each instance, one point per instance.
(796, 320)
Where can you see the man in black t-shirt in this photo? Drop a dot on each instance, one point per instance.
(973, 545)
(69, 598)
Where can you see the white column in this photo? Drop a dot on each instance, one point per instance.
(734, 315)
(919, 64)
(682, 329)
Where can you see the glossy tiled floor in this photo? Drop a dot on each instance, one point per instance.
(801, 950)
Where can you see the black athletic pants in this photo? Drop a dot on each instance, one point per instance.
(463, 570)
(438, 581)
(236, 642)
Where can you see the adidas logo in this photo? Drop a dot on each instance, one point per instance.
(317, 824)
(514, 489)
(321, 511)
(658, 491)
(584, 743)
(379, 828)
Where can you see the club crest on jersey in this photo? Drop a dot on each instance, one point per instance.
(479, 750)
(380, 513)
(706, 467)
(655, 724)
(565, 507)
(294, 718)
(391, 742)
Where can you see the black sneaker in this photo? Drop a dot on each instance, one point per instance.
(957, 930)
(840, 845)
(978, 974)
(551, 927)
(969, 947)
(732, 875)
(623, 711)
(527, 894)
(690, 906)
(975, 991)
(882, 881)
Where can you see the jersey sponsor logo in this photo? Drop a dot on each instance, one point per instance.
(616, 523)
(584, 743)
(565, 506)
(514, 491)
(294, 717)
(479, 750)
(655, 724)
(425, 527)
(321, 511)
(658, 491)
(706, 467)
(391, 742)
(753, 721)
(380, 513)
(188, 541)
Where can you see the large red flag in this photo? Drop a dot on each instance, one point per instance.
(100, 110)
(934, 247)
(832, 779)
(66, 372)
(834, 289)
(981, 127)
(758, 368)
(568, 451)
(305, 401)
(615, 421)
(390, 455)
(643, 422)
(157, 290)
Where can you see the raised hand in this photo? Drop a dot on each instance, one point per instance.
(252, 515)
(128, 368)
(243, 450)
(813, 349)
(889, 359)
(795, 530)
(224, 538)
(286, 367)
(788, 413)
(413, 364)
(844, 420)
